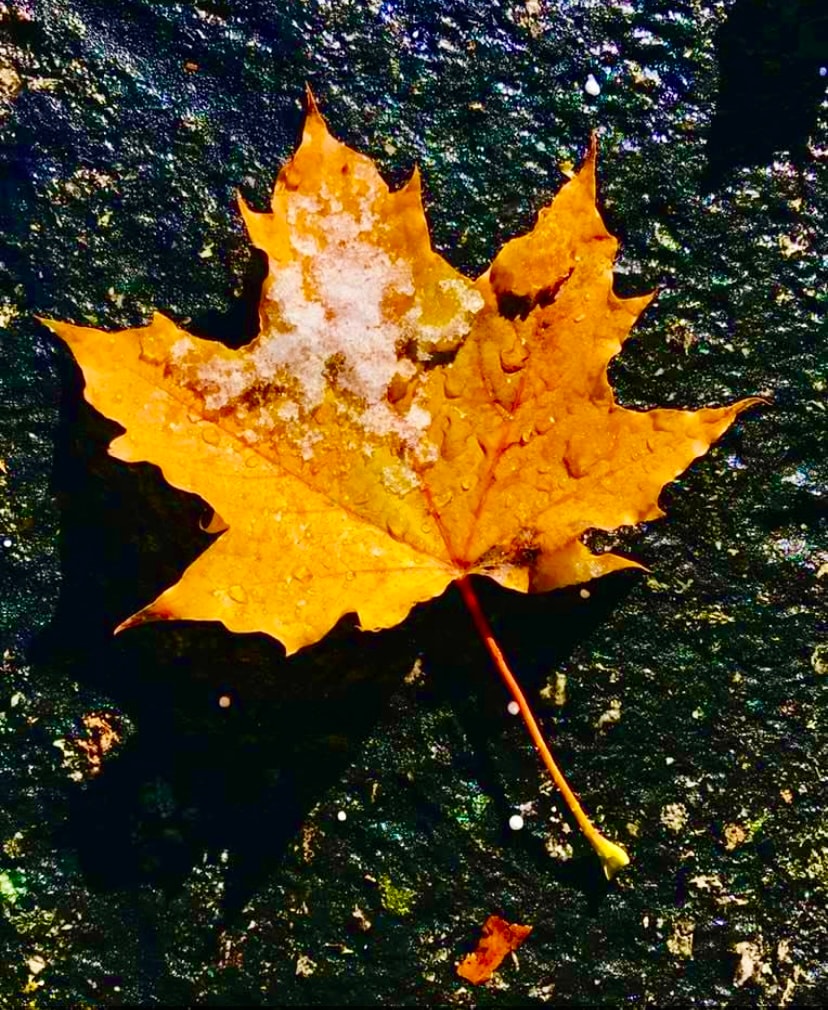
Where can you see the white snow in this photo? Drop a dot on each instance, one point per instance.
(334, 321)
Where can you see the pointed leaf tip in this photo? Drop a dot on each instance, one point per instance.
(415, 180)
(587, 173)
(312, 108)
(51, 324)
(145, 616)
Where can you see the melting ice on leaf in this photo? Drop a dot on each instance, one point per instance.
(395, 425)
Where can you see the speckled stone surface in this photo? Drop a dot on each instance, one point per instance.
(188, 818)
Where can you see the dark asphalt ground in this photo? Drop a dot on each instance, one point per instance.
(207, 863)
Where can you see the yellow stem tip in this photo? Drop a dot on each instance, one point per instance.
(613, 857)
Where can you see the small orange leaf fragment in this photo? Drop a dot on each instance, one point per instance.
(498, 939)
(395, 426)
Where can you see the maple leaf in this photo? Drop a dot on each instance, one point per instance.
(395, 426)
(498, 938)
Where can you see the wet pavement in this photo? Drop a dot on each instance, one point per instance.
(190, 818)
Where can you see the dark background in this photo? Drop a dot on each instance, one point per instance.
(205, 863)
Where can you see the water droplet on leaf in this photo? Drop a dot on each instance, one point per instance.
(153, 349)
(396, 527)
(454, 383)
(513, 358)
(456, 435)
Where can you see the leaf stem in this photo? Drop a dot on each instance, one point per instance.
(612, 856)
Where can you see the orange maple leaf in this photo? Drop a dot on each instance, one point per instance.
(395, 426)
(498, 939)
